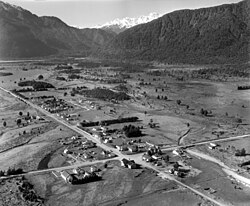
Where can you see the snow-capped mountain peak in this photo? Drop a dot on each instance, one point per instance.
(119, 25)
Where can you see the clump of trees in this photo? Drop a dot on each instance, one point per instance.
(11, 171)
(162, 97)
(204, 112)
(18, 122)
(105, 94)
(241, 152)
(28, 192)
(36, 85)
(110, 121)
(60, 78)
(75, 76)
(40, 77)
(132, 131)
(178, 101)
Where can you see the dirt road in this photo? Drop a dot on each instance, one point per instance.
(225, 168)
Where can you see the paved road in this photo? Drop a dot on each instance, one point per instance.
(137, 157)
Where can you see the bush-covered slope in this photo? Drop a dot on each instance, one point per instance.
(209, 35)
(24, 34)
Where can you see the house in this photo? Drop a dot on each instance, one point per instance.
(132, 165)
(129, 163)
(104, 153)
(78, 171)
(66, 151)
(178, 152)
(108, 141)
(86, 156)
(154, 150)
(146, 158)
(133, 148)
(93, 169)
(122, 147)
(88, 144)
(66, 176)
(184, 169)
(212, 145)
(97, 136)
(156, 157)
(74, 138)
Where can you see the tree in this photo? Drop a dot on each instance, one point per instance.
(241, 152)
(202, 111)
(19, 121)
(20, 113)
(205, 113)
(166, 158)
(40, 77)
(28, 114)
(1, 173)
(65, 94)
(4, 123)
(178, 102)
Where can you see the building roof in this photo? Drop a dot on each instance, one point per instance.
(65, 174)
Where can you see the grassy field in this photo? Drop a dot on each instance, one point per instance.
(118, 186)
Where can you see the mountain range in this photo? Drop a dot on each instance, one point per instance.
(208, 35)
(120, 25)
(24, 34)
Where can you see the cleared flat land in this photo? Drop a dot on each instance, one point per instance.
(167, 101)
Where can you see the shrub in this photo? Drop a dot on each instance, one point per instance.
(132, 131)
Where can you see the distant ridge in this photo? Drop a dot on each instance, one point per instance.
(120, 25)
(24, 35)
(209, 35)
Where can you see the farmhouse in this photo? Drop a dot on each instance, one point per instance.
(212, 145)
(156, 157)
(146, 158)
(122, 147)
(129, 164)
(66, 176)
(132, 148)
(88, 144)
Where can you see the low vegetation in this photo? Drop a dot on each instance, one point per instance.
(108, 122)
(105, 94)
(36, 85)
(2, 74)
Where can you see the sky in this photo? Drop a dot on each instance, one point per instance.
(90, 13)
